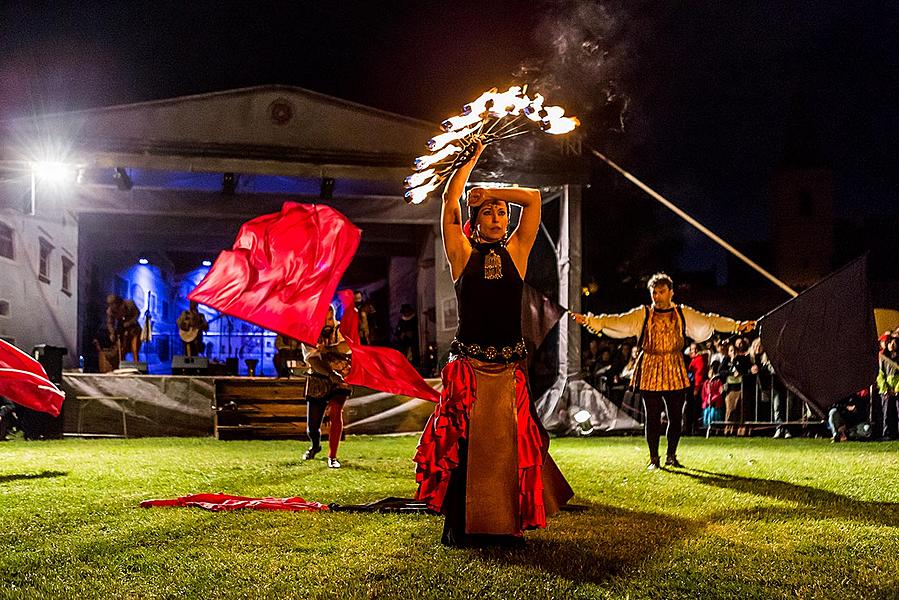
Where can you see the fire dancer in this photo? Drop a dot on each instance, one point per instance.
(482, 458)
(661, 330)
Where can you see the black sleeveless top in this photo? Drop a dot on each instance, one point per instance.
(488, 294)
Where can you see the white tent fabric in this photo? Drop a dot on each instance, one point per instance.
(557, 407)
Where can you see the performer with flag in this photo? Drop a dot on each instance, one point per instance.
(661, 330)
(281, 274)
(482, 456)
(330, 361)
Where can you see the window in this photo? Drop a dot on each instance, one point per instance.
(7, 249)
(43, 271)
(67, 275)
(4, 308)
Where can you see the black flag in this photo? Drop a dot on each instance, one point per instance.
(823, 343)
(539, 315)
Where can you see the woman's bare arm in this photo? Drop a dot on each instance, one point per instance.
(455, 244)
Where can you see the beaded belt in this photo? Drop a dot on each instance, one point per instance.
(506, 354)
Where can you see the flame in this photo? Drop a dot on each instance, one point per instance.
(552, 113)
(532, 111)
(562, 125)
(505, 103)
(460, 121)
(416, 179)
(479, 105)
(439, 141)
(423, 162)
(482, 119)
(418, 195)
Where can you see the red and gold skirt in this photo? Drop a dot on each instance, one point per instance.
(488, 405)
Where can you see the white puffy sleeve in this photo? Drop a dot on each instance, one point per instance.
(701, 326)
(622, 325)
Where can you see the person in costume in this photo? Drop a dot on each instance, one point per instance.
(123, 316)
(191, 325)
(661, 378)
(482, 459)
(329, 362)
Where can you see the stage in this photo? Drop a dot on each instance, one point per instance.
(186, 406)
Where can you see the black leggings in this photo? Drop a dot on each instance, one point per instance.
(454, 502)
(674, 401)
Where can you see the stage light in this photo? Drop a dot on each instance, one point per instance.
(229, 184)
(81, 176)
(327, 188)
(122, 179)
(583, 419)
(55, 172)
(143, 261)
(207, 263)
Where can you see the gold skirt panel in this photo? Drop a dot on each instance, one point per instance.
(492, 503)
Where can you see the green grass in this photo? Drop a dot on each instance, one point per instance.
(750, 518)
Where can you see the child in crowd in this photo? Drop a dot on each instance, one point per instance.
(713, 396)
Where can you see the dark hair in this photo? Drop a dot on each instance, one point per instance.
(474, 210)
(660, 279)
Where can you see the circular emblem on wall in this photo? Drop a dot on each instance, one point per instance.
(280, 111)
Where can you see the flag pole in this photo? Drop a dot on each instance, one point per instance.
(671, 206)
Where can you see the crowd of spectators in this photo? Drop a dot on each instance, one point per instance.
(734, 385)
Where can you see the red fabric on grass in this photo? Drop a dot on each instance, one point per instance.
(219, 502)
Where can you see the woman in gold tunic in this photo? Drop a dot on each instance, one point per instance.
(661, 378)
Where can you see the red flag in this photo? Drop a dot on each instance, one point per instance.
(283, 270)
(376, 367)
(220, 502)
(24, 381)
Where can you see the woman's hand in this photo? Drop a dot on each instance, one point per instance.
(478, 196)
(745, 326)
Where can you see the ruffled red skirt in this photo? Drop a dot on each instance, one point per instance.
(438, 452)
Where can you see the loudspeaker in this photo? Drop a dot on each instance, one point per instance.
(189, 365)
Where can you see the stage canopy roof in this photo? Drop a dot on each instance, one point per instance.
(215, 160)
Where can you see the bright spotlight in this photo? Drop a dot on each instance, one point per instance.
(583, 418)
(143, 261)
(55, 172)
(207, 263)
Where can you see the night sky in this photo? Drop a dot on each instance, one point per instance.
(700, 99)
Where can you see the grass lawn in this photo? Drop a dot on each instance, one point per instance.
(749, 518)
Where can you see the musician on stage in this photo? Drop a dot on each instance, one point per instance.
(123, 317)
(191, 325)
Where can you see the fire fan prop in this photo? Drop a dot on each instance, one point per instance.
(494, 116)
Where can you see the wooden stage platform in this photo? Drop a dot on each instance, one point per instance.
(227, 407)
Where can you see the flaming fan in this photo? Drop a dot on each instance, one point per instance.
(492, 117)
